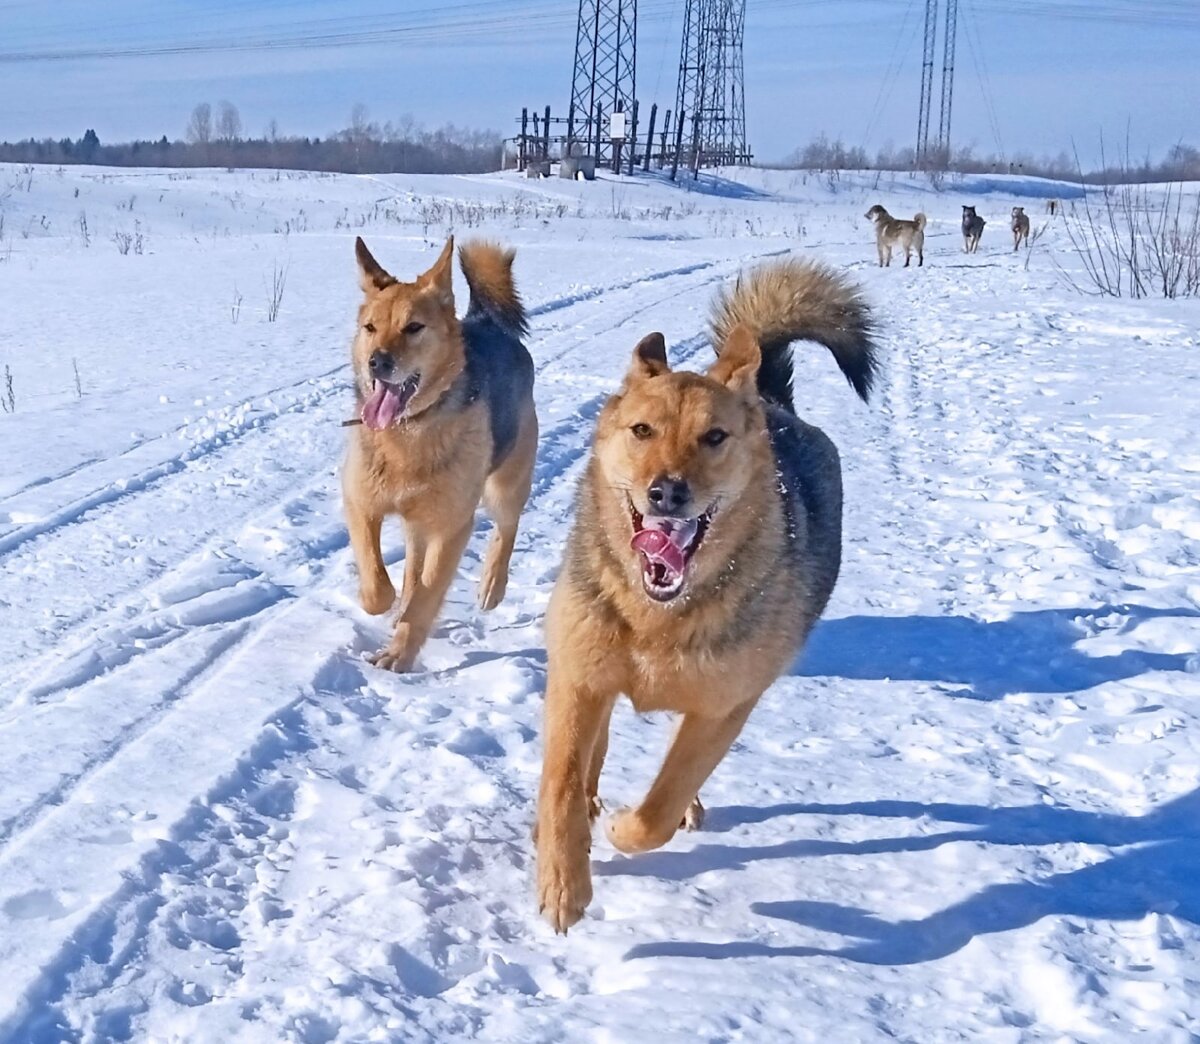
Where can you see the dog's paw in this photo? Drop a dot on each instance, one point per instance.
(377, 599)
(629, 832)
(491, 592)
(387, 660)
(693, 818)
(595, 807)
(564, 886)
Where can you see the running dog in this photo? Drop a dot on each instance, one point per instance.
(972, 229)
(447, 421)
(706, 542)
(1020, 227)
(890, 230)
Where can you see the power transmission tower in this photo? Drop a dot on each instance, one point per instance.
(710, 103)
(925, 114)
(605, 76)
(947, 79)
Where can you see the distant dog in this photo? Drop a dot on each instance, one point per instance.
(1052, 207)
(706, 542)
(1020, 227)
(890, 230)
(447, 421)
(972, 229)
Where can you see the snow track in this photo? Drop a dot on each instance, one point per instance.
(969, 813)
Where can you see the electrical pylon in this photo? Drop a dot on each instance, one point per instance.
(605, 74)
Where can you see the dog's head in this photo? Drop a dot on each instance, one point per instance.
(408, 349)
(968, 213)
(676, 452)
(1018, 211)
(876, 213)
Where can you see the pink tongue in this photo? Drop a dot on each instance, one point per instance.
(381, 408)
(658, 547)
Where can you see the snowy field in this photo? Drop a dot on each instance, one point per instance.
(970, 812)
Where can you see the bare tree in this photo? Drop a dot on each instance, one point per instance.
(199, 128)
(229, 122)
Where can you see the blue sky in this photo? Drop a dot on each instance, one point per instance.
(1031, 74)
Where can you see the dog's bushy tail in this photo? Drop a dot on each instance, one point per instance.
(919, 221)
(786, 301)
(488, 268)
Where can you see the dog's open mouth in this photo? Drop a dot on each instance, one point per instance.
(388, 401)
(666, 546)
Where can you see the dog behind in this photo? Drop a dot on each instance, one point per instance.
(447, 421)
(705, 545)
(1020, 227)
(972, 229)
(890, 230)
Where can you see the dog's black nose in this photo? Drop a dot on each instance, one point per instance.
(382, 364)
(669, 496)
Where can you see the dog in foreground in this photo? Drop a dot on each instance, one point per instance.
(447, 421)
(972, 229)
(889, 231)
(1020, 227)
(706, 543)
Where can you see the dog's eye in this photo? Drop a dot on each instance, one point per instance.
(642, 431)
(369, 327)
(714, 437)
(414, 327)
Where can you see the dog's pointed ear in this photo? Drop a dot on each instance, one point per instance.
(737, 365)
(649, 359)
(371, 275)
(440, 276)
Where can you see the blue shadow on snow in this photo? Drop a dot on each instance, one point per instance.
(1152, 871)
(1028, 652)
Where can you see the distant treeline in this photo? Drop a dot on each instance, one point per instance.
(364, 147)
(1181, 163)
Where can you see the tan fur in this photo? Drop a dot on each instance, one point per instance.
(889, 231)
(743, 618)
(488, 268)
(434, 467)
(1020, 227)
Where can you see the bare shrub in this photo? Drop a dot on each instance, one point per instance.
(1136, 240)
(275, 291)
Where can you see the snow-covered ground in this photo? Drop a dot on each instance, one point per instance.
(971, 811)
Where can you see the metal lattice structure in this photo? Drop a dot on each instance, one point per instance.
(947, 79)
(925, 114)
(710, 104)
(605, 74)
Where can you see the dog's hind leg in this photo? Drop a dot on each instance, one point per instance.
(697, 749)
(504, 496)
(693, 818)
(375, 590)
(596, 766)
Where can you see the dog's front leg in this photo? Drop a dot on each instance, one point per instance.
(375, 590)
(698, 747)
(575, 720)
(442, 552)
